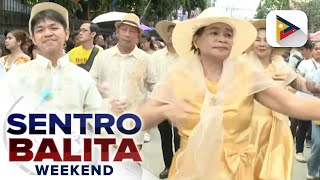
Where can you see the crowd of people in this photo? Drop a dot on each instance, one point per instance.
(219, 94)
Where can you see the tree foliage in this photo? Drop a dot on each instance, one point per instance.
(156, 11)
(71, 5)
(192, 4)
(266, 6)
(311, 9)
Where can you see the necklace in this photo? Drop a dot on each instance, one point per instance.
(8, 64)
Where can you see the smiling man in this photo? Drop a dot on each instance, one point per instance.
(70, 87)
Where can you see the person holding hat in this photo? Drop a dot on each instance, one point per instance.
(272, 136)
(163, 59)
(71, 88)
(210, 98)
(124, 74)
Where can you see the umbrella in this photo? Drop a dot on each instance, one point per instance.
(107, 20)
(145, 28)
(315, 36)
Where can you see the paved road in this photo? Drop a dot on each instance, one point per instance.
(153, 162)
(300, 169)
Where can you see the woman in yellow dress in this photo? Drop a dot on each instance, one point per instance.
(210, 98)
(15, 39)
(272, 137)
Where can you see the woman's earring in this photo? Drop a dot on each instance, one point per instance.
(197, 49)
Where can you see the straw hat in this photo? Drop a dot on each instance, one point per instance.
(243, 32)
(162, 28)
(48, 6)
(130, 19)
(262, 24)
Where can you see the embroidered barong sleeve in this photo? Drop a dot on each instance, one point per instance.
(96, 65)
(151, 78)
(93, 100)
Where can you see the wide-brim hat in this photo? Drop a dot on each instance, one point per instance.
(262, 24)
(162, 28)
(48, 6)
(130, 19)
(243, 32)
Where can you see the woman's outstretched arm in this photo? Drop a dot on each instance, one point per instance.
(283, 101)
(152, 113)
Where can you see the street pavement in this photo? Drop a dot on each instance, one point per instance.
(153, 162)
(300, 169)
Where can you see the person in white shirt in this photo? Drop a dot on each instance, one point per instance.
(2, 70)
(306, 52)
(124, 73)
(163, 59)
(72, 88)
(295, 57)
(306, 69)
(313, 163)
(48, 84)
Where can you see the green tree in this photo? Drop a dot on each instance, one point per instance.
(266, 6)
(92, 8)
(190, 5)
(71, 5)
(311, 9)
(158, 10)
(135, 6)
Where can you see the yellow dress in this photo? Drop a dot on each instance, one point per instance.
(19, 60)
(272, 136)
(238, 153)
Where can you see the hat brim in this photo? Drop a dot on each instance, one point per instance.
(162, 29)
(262, 24)
(117, 24)
(48, 6)
(259, 24)
(243, 34)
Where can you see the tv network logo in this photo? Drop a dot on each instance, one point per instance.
(287, 28)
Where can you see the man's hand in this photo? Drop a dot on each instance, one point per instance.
(179, 112)
(313, 87)
(117, 106)
(103, 89)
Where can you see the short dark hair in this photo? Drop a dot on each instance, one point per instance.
(48, 14)
(93, 28)
(308, 45)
